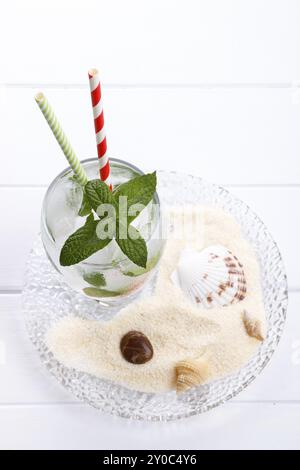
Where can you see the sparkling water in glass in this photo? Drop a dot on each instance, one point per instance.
(107, 275)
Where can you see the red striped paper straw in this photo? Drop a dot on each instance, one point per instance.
(95, 87)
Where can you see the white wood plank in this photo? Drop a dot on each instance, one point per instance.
(151, 42)
(232, 136)
(276, 207)
(24, 379)
(233, 426)
(20, 208)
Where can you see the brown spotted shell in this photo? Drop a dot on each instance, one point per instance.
(190, 373)
(253, 326)
(213, 277)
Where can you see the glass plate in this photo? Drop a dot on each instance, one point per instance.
(46, 299)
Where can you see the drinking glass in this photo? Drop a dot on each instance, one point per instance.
(107, 275)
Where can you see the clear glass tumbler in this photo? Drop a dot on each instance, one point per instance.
(108, 275)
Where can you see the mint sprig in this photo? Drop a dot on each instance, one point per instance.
(82, 243)
(85, 241)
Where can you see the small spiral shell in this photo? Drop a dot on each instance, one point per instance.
(253, 326)
(190, 372)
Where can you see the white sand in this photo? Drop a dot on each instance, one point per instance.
(177, 329)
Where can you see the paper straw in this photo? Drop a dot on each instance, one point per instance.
(61, 138)
(95, 87)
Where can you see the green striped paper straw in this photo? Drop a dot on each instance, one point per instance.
(61, 138)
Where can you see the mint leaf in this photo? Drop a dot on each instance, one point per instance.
(95, 279)
(94, 292)
(135, 249)
(85, 208)
(139, 271)
(139, 190)
(98, 193)
(82, 243)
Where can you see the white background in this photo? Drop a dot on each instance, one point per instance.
(205, 87)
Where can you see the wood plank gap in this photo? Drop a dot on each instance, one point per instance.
(86, 405)
(293, 289)
(18, 291)
(227, 185)
(268, 402)
(45, 404)
(10, 291)
(263, 185)
(204, 85)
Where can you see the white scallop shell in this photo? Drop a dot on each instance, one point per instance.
(213, 277)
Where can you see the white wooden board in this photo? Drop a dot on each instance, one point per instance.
(235, 426)
(232, 136)
(202, 86)
(151, 42)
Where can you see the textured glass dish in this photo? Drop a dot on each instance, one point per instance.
(47, 298)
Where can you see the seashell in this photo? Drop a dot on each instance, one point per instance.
(253, 326)
(213, 277)
(190, 373)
